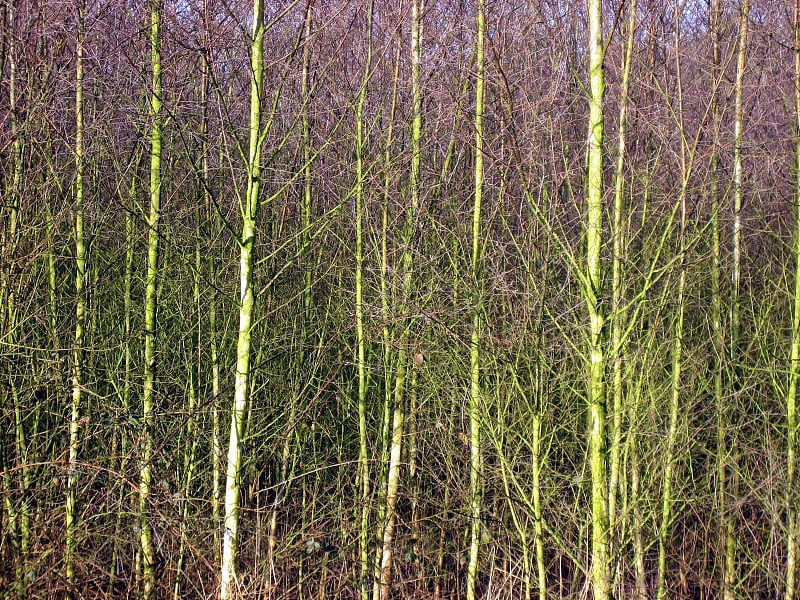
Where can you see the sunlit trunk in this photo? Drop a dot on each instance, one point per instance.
(151, 302)
(476, 309)
(593, 294)
(80, 313)
(246, 305)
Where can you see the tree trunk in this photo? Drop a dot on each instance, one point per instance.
(475, 394)
(383, 569)
(151, 303)
(80, 314)
(794, 357)
(246, 306)
(593, 294)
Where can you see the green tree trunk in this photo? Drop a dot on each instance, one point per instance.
(80, 312)
(305, 338)
(593, 294)
(388, 380)
(361, 351)
(618, 284)
(794, 357)
(383, 568)
(717, 313)
(727, 470)
(151, 302)
(476, 310)
(246, 306)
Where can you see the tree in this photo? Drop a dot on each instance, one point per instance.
(361, 351)
(246, 305)
(475, 393)
(80, 310)
(794, 356)
(383, 568)
(148, 557)
(593, 295)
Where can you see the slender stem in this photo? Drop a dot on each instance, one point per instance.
(601, 573)
(363, 455)
(383, 569)
(794, 358)
(246, 306)
(80, 312)
(618, 310)
(151, 302)
(475, 399)
(729, 572)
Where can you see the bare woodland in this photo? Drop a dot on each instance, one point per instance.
(399, 299)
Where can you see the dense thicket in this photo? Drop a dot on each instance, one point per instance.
(419, 404)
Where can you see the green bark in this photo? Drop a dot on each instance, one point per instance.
(794, 357)
(246, 306)
(475, 395)
(717, 313)
(593, 294)
(80, 312)
(618, 309)
(363, 453)
(727, 470)
(386, 417)
(383, 567)
(667, 499)
(151, 303)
